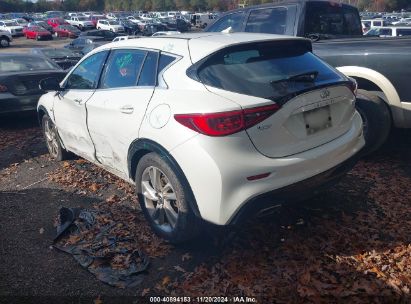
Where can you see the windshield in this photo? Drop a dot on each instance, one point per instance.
(113, 23)
(269, 70)
(36, 29)
(11, 23)
(58, 53)
(83, 19)
(24, 63)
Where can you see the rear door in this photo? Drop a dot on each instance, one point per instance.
(70, 106)
(116, 110)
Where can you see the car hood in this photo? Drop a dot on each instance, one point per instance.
(15, 27)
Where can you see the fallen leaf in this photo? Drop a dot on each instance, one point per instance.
(186, 257)
(166, 280)
(179, 268)
(145, 291)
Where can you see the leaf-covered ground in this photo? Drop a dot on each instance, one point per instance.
(351, 244)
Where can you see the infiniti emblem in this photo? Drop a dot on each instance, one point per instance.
(325, 94)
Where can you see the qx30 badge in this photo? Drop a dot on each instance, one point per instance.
(325, 94)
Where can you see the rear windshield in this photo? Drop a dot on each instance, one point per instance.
(24, 63)
(332, 18)
(264, 69)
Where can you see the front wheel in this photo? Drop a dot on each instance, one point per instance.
(4, 42)
(164, 200)
(51, 136)
(376, 120)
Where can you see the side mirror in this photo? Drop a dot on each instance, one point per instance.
(50, 84)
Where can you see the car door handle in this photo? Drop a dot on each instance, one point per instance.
(79, 101)
(127, 109)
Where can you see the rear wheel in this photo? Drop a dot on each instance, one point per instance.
(164, 200)
(376, 120)
(54, 146)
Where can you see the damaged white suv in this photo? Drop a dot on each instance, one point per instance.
(208, 126)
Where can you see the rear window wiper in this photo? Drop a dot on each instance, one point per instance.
(303, 77)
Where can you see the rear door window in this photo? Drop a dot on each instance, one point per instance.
(404, 32)
(275, 20)
(262, 69)
(332, 18)
(123, 69)
(234, 20)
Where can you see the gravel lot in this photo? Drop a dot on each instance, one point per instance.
(350, 244)
(21, 44)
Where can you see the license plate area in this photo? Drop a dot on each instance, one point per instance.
(317, 120)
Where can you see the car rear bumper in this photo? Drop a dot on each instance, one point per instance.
(300, 191)
(10, 103)
(218, 169)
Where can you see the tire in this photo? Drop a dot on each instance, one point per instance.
(56, 151)
(4, 42)
(376, 118)
(171, 219)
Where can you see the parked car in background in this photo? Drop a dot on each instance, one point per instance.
(370, 23)
(79, 43)
(64, 58)
(106, 35)
(37, 32)
(389, 31)
(43, 24)
(271, 123)
(5, 38)
(81, 22)
(121, 38)
(22, 22)
(54, 22)
(66, 31)
(20, 75)
(96, 18)
(110, 25)
(129, 27)
(12, 27)
(89, 47)
(165, 33)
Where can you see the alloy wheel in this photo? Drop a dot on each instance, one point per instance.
(159, 198)
(51, 138)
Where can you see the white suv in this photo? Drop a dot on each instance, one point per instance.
(208, 126)
(5, 38)
(12, 27)
(110, 25)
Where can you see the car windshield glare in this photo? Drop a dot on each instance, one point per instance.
(266, 70)
(24, 63)
(58, 53)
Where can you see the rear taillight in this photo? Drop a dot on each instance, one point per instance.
(226, 123)
(3, 88)
(353, 86)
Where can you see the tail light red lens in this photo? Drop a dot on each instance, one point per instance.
(353, 85)
(226, 123)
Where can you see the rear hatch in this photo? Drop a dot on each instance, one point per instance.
(316, 101)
